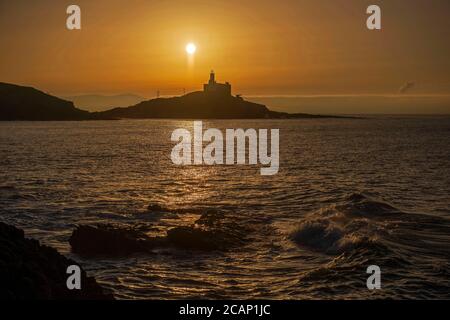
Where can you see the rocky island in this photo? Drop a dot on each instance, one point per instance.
(214, 102)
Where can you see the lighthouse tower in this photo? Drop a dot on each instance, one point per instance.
(212, 78)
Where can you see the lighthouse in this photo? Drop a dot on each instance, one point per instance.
(216, 89)
(212, 77)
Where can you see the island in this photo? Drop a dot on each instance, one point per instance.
(214, 102)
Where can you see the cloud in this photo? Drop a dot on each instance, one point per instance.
(406, 87)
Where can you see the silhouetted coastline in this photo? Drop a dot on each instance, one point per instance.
(27, 103)
(18, 103)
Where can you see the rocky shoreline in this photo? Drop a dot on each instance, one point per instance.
(31, 271)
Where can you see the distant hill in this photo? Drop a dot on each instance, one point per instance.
(95, 103)
(26, 103)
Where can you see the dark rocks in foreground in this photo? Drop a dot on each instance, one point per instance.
(107, 239)
(211, 232)
(29, 270)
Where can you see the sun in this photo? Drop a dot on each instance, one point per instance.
(191, 48)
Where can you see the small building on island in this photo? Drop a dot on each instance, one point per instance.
(215, 88)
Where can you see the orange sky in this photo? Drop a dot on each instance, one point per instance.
(262, 47)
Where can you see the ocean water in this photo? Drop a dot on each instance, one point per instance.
(350, 193)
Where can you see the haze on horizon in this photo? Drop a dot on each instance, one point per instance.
(264, 48)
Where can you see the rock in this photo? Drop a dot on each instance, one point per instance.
(156, 208)
(197, 239)
(109, 240)
(191, 238)
(29, 270)
(212, 231)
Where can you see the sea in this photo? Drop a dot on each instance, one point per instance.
(349, 194)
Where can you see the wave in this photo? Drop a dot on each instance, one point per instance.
(342, 227)
(411, 248)
(358, 221)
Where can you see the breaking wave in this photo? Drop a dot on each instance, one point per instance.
(360, 231)
(345, 226)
